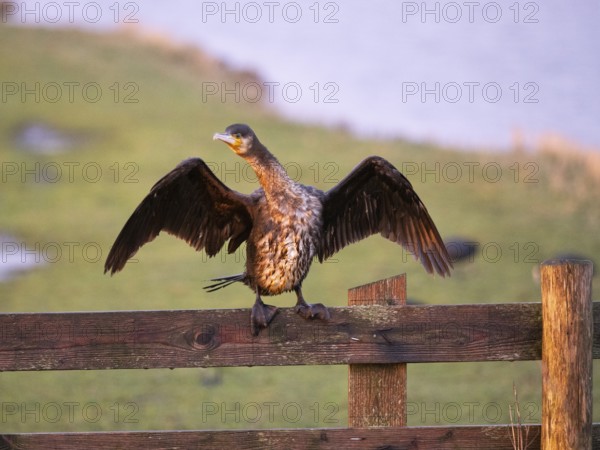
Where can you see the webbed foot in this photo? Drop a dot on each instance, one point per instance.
(261, 316)
(312, 311)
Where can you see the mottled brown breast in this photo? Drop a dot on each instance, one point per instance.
(285, 239)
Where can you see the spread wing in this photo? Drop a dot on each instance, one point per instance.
(376, 198)
(191, 203)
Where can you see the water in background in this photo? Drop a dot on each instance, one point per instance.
(457, 73)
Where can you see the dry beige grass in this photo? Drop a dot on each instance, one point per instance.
(189, 54)
(573, 168)
(519, 432)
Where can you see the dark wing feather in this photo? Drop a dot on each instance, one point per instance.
(376, 198)
(191, 203)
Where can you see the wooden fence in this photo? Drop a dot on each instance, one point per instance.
(377, 335)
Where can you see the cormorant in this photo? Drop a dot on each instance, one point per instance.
(285, 224)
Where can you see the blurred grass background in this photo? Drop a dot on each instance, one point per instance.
(543, 202)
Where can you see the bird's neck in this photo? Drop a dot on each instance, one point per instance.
(271, 174)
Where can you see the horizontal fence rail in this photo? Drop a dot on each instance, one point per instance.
(374, 338)
(495, 437)
(212, 338)
(222, 338)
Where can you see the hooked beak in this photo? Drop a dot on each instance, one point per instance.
(227, 138)
(233, 142)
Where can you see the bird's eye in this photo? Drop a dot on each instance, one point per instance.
(237, 135)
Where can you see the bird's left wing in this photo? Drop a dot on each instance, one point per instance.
(191, 203)
(376, 198)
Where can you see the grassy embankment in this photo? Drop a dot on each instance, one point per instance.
(531, 212)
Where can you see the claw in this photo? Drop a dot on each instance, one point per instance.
(313, 311)
(308, 311)
(261, 316)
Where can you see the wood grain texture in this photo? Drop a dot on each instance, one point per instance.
(440, 438)
(567, 355)
(221, 338)
(377, 392)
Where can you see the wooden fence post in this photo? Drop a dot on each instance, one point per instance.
(377, 392)
(567, 355)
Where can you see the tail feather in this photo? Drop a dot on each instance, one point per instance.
(224, 282)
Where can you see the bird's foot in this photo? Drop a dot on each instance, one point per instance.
(312, 311)
(261, 316)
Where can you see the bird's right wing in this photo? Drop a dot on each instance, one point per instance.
(191, 203)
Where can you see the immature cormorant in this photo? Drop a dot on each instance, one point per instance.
(284, 224)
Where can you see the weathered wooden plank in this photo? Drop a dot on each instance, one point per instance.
(212, 338)
(567, 355)
(377, 392)
(495, 437)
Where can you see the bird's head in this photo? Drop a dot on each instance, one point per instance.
(239, 137)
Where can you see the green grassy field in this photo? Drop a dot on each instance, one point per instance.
(522, 207)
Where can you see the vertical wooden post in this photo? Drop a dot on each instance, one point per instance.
(567, 355)
(377, 392)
